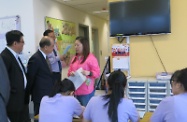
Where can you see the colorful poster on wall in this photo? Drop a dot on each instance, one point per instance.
(120, 56)
(65, 34)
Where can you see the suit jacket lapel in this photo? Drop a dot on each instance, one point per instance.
(44, 60)
(13, 58)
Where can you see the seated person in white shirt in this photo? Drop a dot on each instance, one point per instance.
(173, 108)
(61, 105)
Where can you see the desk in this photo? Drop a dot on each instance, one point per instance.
(74, 120)
(146, 117)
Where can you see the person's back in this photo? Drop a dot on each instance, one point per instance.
(59, 108)
(172, 109)
(180, 105)
(112, 107)
(4, 91)
(96, 111)
(60, 105)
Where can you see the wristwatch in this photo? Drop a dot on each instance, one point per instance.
(90, 74)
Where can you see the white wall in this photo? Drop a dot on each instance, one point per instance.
(33, 12)
(23, 8)
(54, 9)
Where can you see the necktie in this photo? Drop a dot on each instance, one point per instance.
(23, 71)
(59, 63)
(48, 63)
(22, 67)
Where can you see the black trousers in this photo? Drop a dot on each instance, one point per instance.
(36, 109)
(22, 116)
(56, 76)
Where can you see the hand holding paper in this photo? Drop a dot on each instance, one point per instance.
(78, 78)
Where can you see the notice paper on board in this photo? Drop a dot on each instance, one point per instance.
(120, 63)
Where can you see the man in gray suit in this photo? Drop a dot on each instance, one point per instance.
(4, 91)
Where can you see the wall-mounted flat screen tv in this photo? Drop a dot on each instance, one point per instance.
(139, 17)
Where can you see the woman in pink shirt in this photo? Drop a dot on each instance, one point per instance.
(87, 61)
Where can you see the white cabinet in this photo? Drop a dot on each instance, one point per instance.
(147, 93)
(137, 91)
(157, 90)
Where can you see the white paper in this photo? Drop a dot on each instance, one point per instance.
(78, 79)
(121, 63)
(141, 114)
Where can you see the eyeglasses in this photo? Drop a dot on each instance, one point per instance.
(21, 42)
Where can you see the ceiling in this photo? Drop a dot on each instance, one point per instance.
(96, 7)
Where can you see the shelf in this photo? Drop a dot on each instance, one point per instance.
(147, 93)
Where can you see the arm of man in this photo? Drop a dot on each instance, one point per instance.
(52, 58)
(31, 74)
(3, 116)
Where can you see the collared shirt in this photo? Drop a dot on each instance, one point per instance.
(95, 110)
(59, 108)
(171, 109)
(54, 60)
(16, 56)
(44, 55)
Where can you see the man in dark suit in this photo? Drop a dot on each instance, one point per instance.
(40, 79)
(17, 110)
(4, 91)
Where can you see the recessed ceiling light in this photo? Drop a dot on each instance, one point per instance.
(66, 0)
(101, 11)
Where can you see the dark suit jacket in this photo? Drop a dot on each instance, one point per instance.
(4, 91)
(40, 80)
(17, 92)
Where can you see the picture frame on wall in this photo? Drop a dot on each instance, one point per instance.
(65, 33)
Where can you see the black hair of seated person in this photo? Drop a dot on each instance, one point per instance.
(180, 76)
(63, 86)
(175, 76)
(116, 82)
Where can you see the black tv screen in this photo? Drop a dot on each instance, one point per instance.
(139, 17)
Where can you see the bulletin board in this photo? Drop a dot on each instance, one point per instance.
(65, 33)
(7, 24)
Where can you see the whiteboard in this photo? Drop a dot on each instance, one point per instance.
(7, 24)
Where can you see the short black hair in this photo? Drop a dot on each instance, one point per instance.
(180, 76)
(62, 86)
(45, 41)
(13, 35)
(47, 32)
